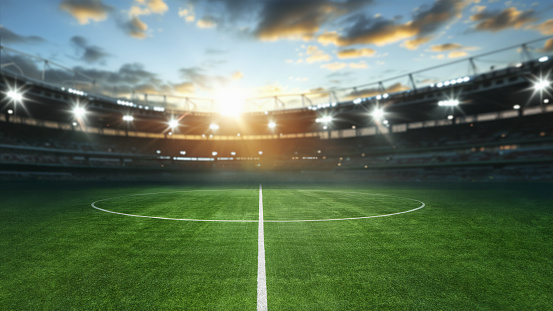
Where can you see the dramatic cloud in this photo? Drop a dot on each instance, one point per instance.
(546, 28)
(11, 37)
(88, 53)
(445, 47)
(200, 78)
(86, 10)
(381, 31)
(500, 20)
(456, 50)
(548, 46)
(299, 19)
(355, 53)
(135, 28)
(129, 78)
(316, 55)
(415, 43)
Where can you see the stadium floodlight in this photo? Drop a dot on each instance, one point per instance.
(213, 126)
(546, 101)
(357, 101)
(325, 119)
(15, 96)
(128, 118)
(385, 95)
(450, 117)
(10, 111)
(541, 84)
(378, 113)
(79, 112)
(173, 123)
(516, 107)
(214, 153)
(543, 59)
(272, 125)
(448, 103)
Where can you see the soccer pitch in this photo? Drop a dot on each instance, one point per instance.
(327, 247)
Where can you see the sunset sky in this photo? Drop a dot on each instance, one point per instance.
(205, 47)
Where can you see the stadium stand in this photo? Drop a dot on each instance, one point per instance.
(499, 131)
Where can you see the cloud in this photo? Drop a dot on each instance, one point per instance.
(237, 75)
(355, 53)
(157, 6)
(457, 54)
(546, 28)
(456, 50)
(380, 31)
(188, 13)
(316, 55)
(206, 22)
(415, 43)
(86, 10)
(342, 65)
(88, 53)
(299, 19)
(500, 20)
(184, 88)
(445, 47)
(548, 46)
(148, 7)
(128, 78)
(135, 28)
(11, 37)
(200, 78)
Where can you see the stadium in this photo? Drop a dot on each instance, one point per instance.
(405, 192)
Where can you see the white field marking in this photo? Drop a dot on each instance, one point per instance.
(166, 218)
(352, 218)
(261, 277)
(244, 220)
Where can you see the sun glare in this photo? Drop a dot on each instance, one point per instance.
(230, 102)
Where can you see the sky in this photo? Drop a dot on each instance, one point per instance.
(243, 49)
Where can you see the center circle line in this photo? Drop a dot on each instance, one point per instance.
(93, 204)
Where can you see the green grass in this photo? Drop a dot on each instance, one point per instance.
(474, 246)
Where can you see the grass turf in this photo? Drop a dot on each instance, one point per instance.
(474, 246)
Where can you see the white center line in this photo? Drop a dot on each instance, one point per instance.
(261, 278)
